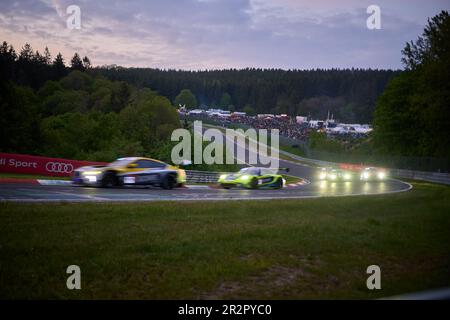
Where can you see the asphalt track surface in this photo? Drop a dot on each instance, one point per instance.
(21, 192)
(39, 193)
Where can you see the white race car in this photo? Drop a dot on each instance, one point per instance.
(373, 174)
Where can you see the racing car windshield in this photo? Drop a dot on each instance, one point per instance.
(120, 163)
(251, 171)
(265, 171)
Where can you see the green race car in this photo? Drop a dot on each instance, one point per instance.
(253, 178)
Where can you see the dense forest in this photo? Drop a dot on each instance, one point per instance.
(349, 94)
(50, 109)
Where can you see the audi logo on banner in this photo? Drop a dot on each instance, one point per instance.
(59, 167)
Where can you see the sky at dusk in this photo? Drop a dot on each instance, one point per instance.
(217, 34)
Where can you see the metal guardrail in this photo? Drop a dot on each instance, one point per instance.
(436, 177)
(194, 176)
(426, 164)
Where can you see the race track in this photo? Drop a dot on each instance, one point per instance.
(311, 188)
(38, 193)
(22, 192)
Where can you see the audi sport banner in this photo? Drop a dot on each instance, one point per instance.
(19, 163)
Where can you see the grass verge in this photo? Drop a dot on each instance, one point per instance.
(310, 248)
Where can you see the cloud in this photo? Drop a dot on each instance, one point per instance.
(200, 34)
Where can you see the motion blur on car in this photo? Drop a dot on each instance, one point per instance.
(366, 174)
(253, 178)
(131, 171)
(331, 174)
(373, 174)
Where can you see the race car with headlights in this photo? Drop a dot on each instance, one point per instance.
(323, 173)
(253, 178)
(130, 171)
(330, 174)
(373, 174)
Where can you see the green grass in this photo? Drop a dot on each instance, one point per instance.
(30, 176)
(311, 248)
(293, 150)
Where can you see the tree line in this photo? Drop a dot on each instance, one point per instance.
(349, 94)
(32, 68)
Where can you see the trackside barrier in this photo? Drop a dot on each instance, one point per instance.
(57, 167)
(436, 177)
(194, 176)
(36, 165)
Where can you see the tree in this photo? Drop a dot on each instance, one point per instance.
(433, 45)
(225, 100)
(59, 67)
(120, 93)
(8, 57)
(396, 126)
(412, 116)
(28, 73)
(86, 63)
(47, 56)
(249, 110)
(284, 105)
(77, 80)
(38, 59)
(76, 63)
(26, 54)
(20, 120)
(187, 98)
(7, 52)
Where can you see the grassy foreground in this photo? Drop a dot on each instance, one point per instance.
(317, 248)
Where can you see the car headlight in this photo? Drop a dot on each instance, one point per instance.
(91, 173)
(347, 176)
(381, 175)
(333, 176)
(245, 177)
(222, 176)
(322, 175)
(365, 175)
